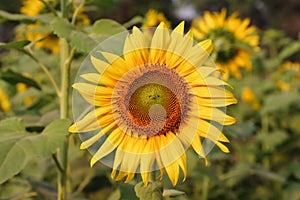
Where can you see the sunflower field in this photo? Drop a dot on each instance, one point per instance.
(128, 99)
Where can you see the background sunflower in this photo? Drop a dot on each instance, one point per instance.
(234, 40)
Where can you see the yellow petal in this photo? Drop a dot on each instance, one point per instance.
(112, 142)
(216, 102)
(173, 172)
(159, 44)
(94, 94)
(99, 65)
(206, 45)
(90, 122)
(92, 77)
(197, 146)
(87, 143)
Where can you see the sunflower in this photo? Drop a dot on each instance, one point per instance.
(234, 40)
(249, 97)
(4, 101)
(160, 97)
(154, 18)
(288, 75)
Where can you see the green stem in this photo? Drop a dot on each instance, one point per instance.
(265, 131)
(65, 63)
(77, 9)
(64, 109)
(205, 188)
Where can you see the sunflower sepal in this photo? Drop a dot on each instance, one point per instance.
(154, 190)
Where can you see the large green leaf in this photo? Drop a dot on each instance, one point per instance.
(14, 78)
(17, 146)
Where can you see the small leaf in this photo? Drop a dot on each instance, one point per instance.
(19, 45)
(14, 78)
(107, 27)
(18, 147)
(172, 193)
(289, 50)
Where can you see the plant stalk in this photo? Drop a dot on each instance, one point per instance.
(65, 63)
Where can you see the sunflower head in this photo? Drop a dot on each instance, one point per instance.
(288, 76)
(234, 40)
(148, 104)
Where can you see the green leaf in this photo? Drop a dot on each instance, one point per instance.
(153, 190)
(16, 17)
(17, 147)
(172, 193)
(82, 41)
(14, 78)
(133, 21)
(11, 126)
(289, 50)
(19, 45)
(107, 27)
(63, 28)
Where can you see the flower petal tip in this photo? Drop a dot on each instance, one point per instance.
(72, 129)
(93, 161)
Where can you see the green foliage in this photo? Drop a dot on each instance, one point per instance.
(153, 190)
(19, 45)
(14, 78)
(20, 146)
(107, 27)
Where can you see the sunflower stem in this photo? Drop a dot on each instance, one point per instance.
(65, 63)
(152, 176)
(265, 145)
(205, 187)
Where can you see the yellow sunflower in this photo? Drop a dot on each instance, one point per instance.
(288, 75)
(4, 101)
(160, 97)
(233, 39)
(154, 18)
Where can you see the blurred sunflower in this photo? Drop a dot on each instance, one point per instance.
(153, 18)
(38, 32)
(21, 88)
(234, 40)
(153, 102)
(4, 101)
(248, 96)
(288, 75)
